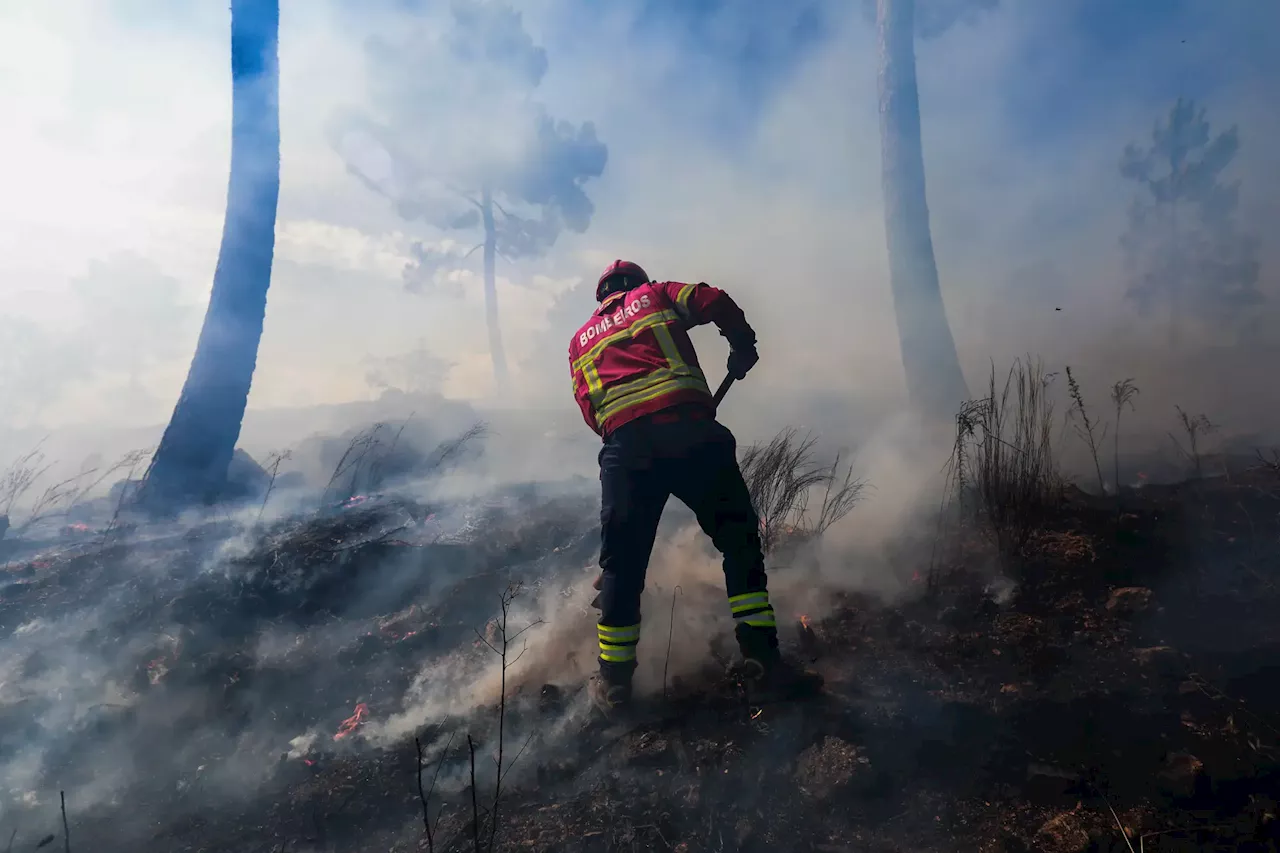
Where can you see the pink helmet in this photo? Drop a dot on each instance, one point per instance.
(631, 271)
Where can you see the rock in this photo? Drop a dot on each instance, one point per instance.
(1128, 600)
(1062, 834)
(827, 768)
(1180, 774)
(1164, 659)
(123, 492)
(245, 477)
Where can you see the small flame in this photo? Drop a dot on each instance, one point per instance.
(757, 713)
(915, 577)
(350, 723)
(804, 621)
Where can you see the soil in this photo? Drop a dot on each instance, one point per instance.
(1125, 695)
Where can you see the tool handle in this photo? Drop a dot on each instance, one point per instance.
(723, 389)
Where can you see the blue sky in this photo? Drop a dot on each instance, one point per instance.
(743, 148)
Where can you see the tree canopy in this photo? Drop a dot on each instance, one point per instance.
(452, 116)
(1183, 245)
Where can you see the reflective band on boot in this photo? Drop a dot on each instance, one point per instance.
(753, 609)
(618, 645)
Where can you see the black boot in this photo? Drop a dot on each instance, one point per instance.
(767, 676)
(610, 690)
(775, 679)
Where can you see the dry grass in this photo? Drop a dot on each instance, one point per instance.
(1090, 431)
(1122, 395)
(27, 471)
(781, 476)
(1196, 428)
(372, 459)
(1002, 467)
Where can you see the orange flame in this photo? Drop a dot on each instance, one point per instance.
(350, 723)
(804, 620)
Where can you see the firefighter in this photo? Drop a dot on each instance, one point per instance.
(638, 383)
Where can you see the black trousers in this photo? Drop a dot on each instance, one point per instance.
(686, 453)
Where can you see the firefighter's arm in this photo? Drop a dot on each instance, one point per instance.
(580, 394)
(698, 304)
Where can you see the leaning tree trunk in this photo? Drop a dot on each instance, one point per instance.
(935, 383)
(191, 462)
(491, 294)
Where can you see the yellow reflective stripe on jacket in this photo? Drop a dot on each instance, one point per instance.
(663, 374)
(592, 377)
(668, 345)
(679, 383)
(682, 301)
(657, 318)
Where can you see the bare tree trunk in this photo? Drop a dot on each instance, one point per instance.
(191, 462)
(935, 383)
(491, 294)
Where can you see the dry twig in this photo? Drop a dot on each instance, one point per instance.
(424, 796)
(1122, 394)
(671, 628)
(66, 830)
(1086, 427)
(1196, 427)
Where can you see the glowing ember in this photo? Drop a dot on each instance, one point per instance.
(757, 714)
(804, 621)
(350, 723)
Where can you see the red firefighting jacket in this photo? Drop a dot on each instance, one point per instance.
(634, 356)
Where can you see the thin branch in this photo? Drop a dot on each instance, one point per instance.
(486, 642)
(527, 741)
(425, 796)
(671, 629)
(475, 805)
(532, 624)
(66, 830)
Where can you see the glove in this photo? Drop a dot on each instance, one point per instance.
(741, 360)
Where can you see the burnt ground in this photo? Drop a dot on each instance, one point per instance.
(1131, 679)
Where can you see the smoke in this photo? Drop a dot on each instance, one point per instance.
(751, 161)
(743, 150)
